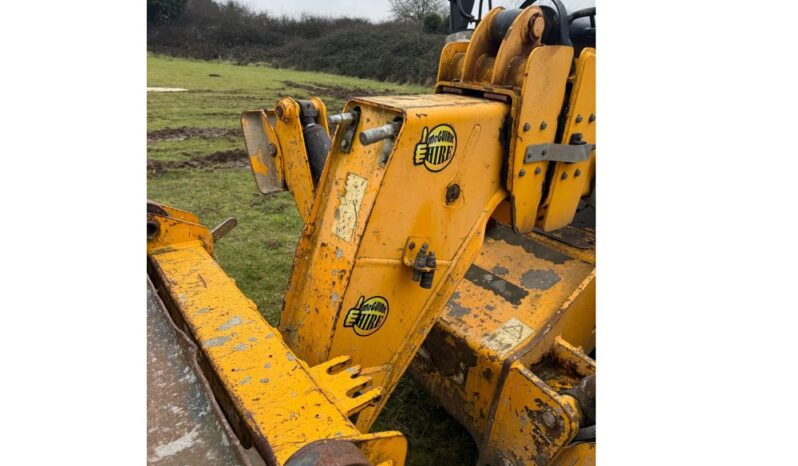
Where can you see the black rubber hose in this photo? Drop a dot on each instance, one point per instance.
(583, 13)
(586, 433)
(462, 12)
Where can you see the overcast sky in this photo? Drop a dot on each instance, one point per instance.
(374, 10)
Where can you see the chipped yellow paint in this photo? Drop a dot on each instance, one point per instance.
(294, 156)
(450, 63)
(263, 148)
(283, 402)
(334, 268)
(167, 225)
(529, 409)
(507, 337)
(580, 454)
(572, 180)
(519, 296)
(348, 208)
(527, 299)
(541, 103)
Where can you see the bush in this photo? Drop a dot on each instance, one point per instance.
(401, 52)
(164, 11)
(432, 23)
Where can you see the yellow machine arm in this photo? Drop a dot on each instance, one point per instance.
(435, 225)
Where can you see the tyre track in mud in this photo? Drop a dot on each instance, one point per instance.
(185, 132)
(233, 158)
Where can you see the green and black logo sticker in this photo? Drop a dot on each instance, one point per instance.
(367, 316)
(436, 148)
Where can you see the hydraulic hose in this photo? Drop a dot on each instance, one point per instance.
(586, 433)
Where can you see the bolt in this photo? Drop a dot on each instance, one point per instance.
(380, 133)
(426, 277)
(579, 118)
(152, 230)
(537, 170)
(564, 175)
(280, 111)
(527, 126)
(419, 262)
(536, 26)
(272, 150)
(591, 118)
(412, 245)
(522, 172)
(543, 125)
(452, 193)
(577, 172)
(340, 118)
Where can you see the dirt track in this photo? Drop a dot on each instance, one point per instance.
(342, 93)
(179, 134)
(235, 158)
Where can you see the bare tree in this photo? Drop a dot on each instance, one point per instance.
(416, 10)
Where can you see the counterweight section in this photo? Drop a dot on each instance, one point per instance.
(512, 338)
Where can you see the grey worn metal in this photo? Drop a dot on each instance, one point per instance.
(370, 136)
(349, 131)
(259, 147)
(224, 228)
(338, 118)
(184, 423)
(569, 153)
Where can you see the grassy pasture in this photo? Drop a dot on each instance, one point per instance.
(196, 161)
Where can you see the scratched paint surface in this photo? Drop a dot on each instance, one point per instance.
(513, 289)
(272, 389)
(181, 425)
(349, 206)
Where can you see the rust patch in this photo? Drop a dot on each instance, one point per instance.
(547, 421)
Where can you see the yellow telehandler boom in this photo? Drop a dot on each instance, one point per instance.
(450, 234)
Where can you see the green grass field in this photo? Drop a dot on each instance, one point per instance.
(196, 161)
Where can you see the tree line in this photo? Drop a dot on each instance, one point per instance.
(404, 49)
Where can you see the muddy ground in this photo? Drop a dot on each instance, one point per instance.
(180, 134)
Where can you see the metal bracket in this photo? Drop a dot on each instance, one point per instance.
(223, 228)
(349, 131)
(568, 153)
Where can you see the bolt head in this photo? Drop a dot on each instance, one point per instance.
(281, 112)
(522, 172)
(527, 126)
(537, 170)
(452, 193)
(536, 26)
(579, 118)
(577, 172)
(543, 125)
(564, 175)
(591, 118)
